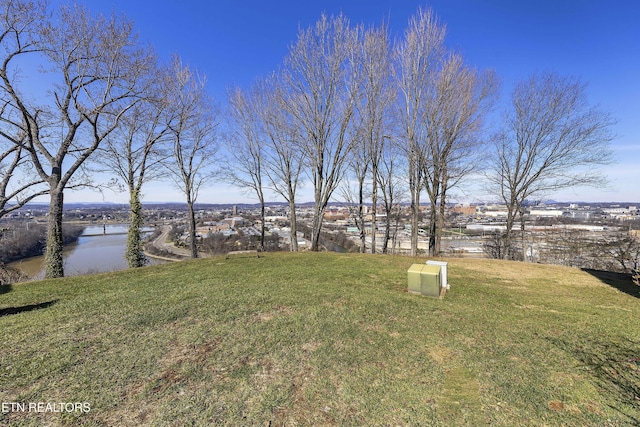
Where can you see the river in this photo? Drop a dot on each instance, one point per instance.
(97, 250)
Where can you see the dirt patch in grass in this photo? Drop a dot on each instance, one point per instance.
(441, 355)
(556, 406)
(278, 311)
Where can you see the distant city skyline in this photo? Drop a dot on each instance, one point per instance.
(233, 43)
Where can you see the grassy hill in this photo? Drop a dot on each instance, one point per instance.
(324, 339)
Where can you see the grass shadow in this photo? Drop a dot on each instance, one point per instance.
(620, 281)
(15, 310)
(5, 289)
(613, 366)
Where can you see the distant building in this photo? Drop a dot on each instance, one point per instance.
(235, 221)
(213, 227)
(486, 227)
(546, 213)
(275, 218)
(333, 214)
(495, 213)
(620, 213)
(464, 209)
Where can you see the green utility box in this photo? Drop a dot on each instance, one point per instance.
(425, 280)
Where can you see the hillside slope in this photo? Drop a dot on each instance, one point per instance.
(323, 339)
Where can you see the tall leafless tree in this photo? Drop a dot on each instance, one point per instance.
(193, 136)
(95, 64)
(284, 160)
(245, 146)
(460, 98)
(372, 119)
(135, 151)
(354, 192)
(552, 139)
(417, 57)
(392, 191)
(264, 146)
(322, 84)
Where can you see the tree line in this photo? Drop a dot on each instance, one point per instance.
(27, 240)
(349, 110)
(381, 121)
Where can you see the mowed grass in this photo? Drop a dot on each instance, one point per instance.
(324, 339)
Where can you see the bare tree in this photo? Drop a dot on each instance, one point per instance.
(95, 63)
(135, 151)
(192, 133)
(265, 145)
(371, 124)
(417, 57)
(552, 139)
(19, 22)
(372, 118)
(460, 98)
(322, 82)
(284, 160)
(246, 147)
(621, 252)
(391, 187)
(353, 193)
(567, 247)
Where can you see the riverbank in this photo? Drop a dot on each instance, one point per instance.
(26, 240)
(99, 249)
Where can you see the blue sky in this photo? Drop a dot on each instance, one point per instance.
(233, 42)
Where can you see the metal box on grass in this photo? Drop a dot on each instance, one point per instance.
(414, 278)
(424, 280)
(443, 273)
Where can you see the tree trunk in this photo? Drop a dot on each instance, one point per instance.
(433, 229)
(293, 247)
(316, 228)
(374, 208)
(262, 214)
(439, 227)
(363, 233)
(387, 234)
(506, 240)
(395, 234)
(54, 264)
(440, 220)
(134, 254)
(522, 235)
(192, 229)
(415, 185)
(415, 212)
(433, 187)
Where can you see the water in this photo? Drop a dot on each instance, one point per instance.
(95, 252)
(333, 247)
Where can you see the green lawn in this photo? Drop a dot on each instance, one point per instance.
(324, 339)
